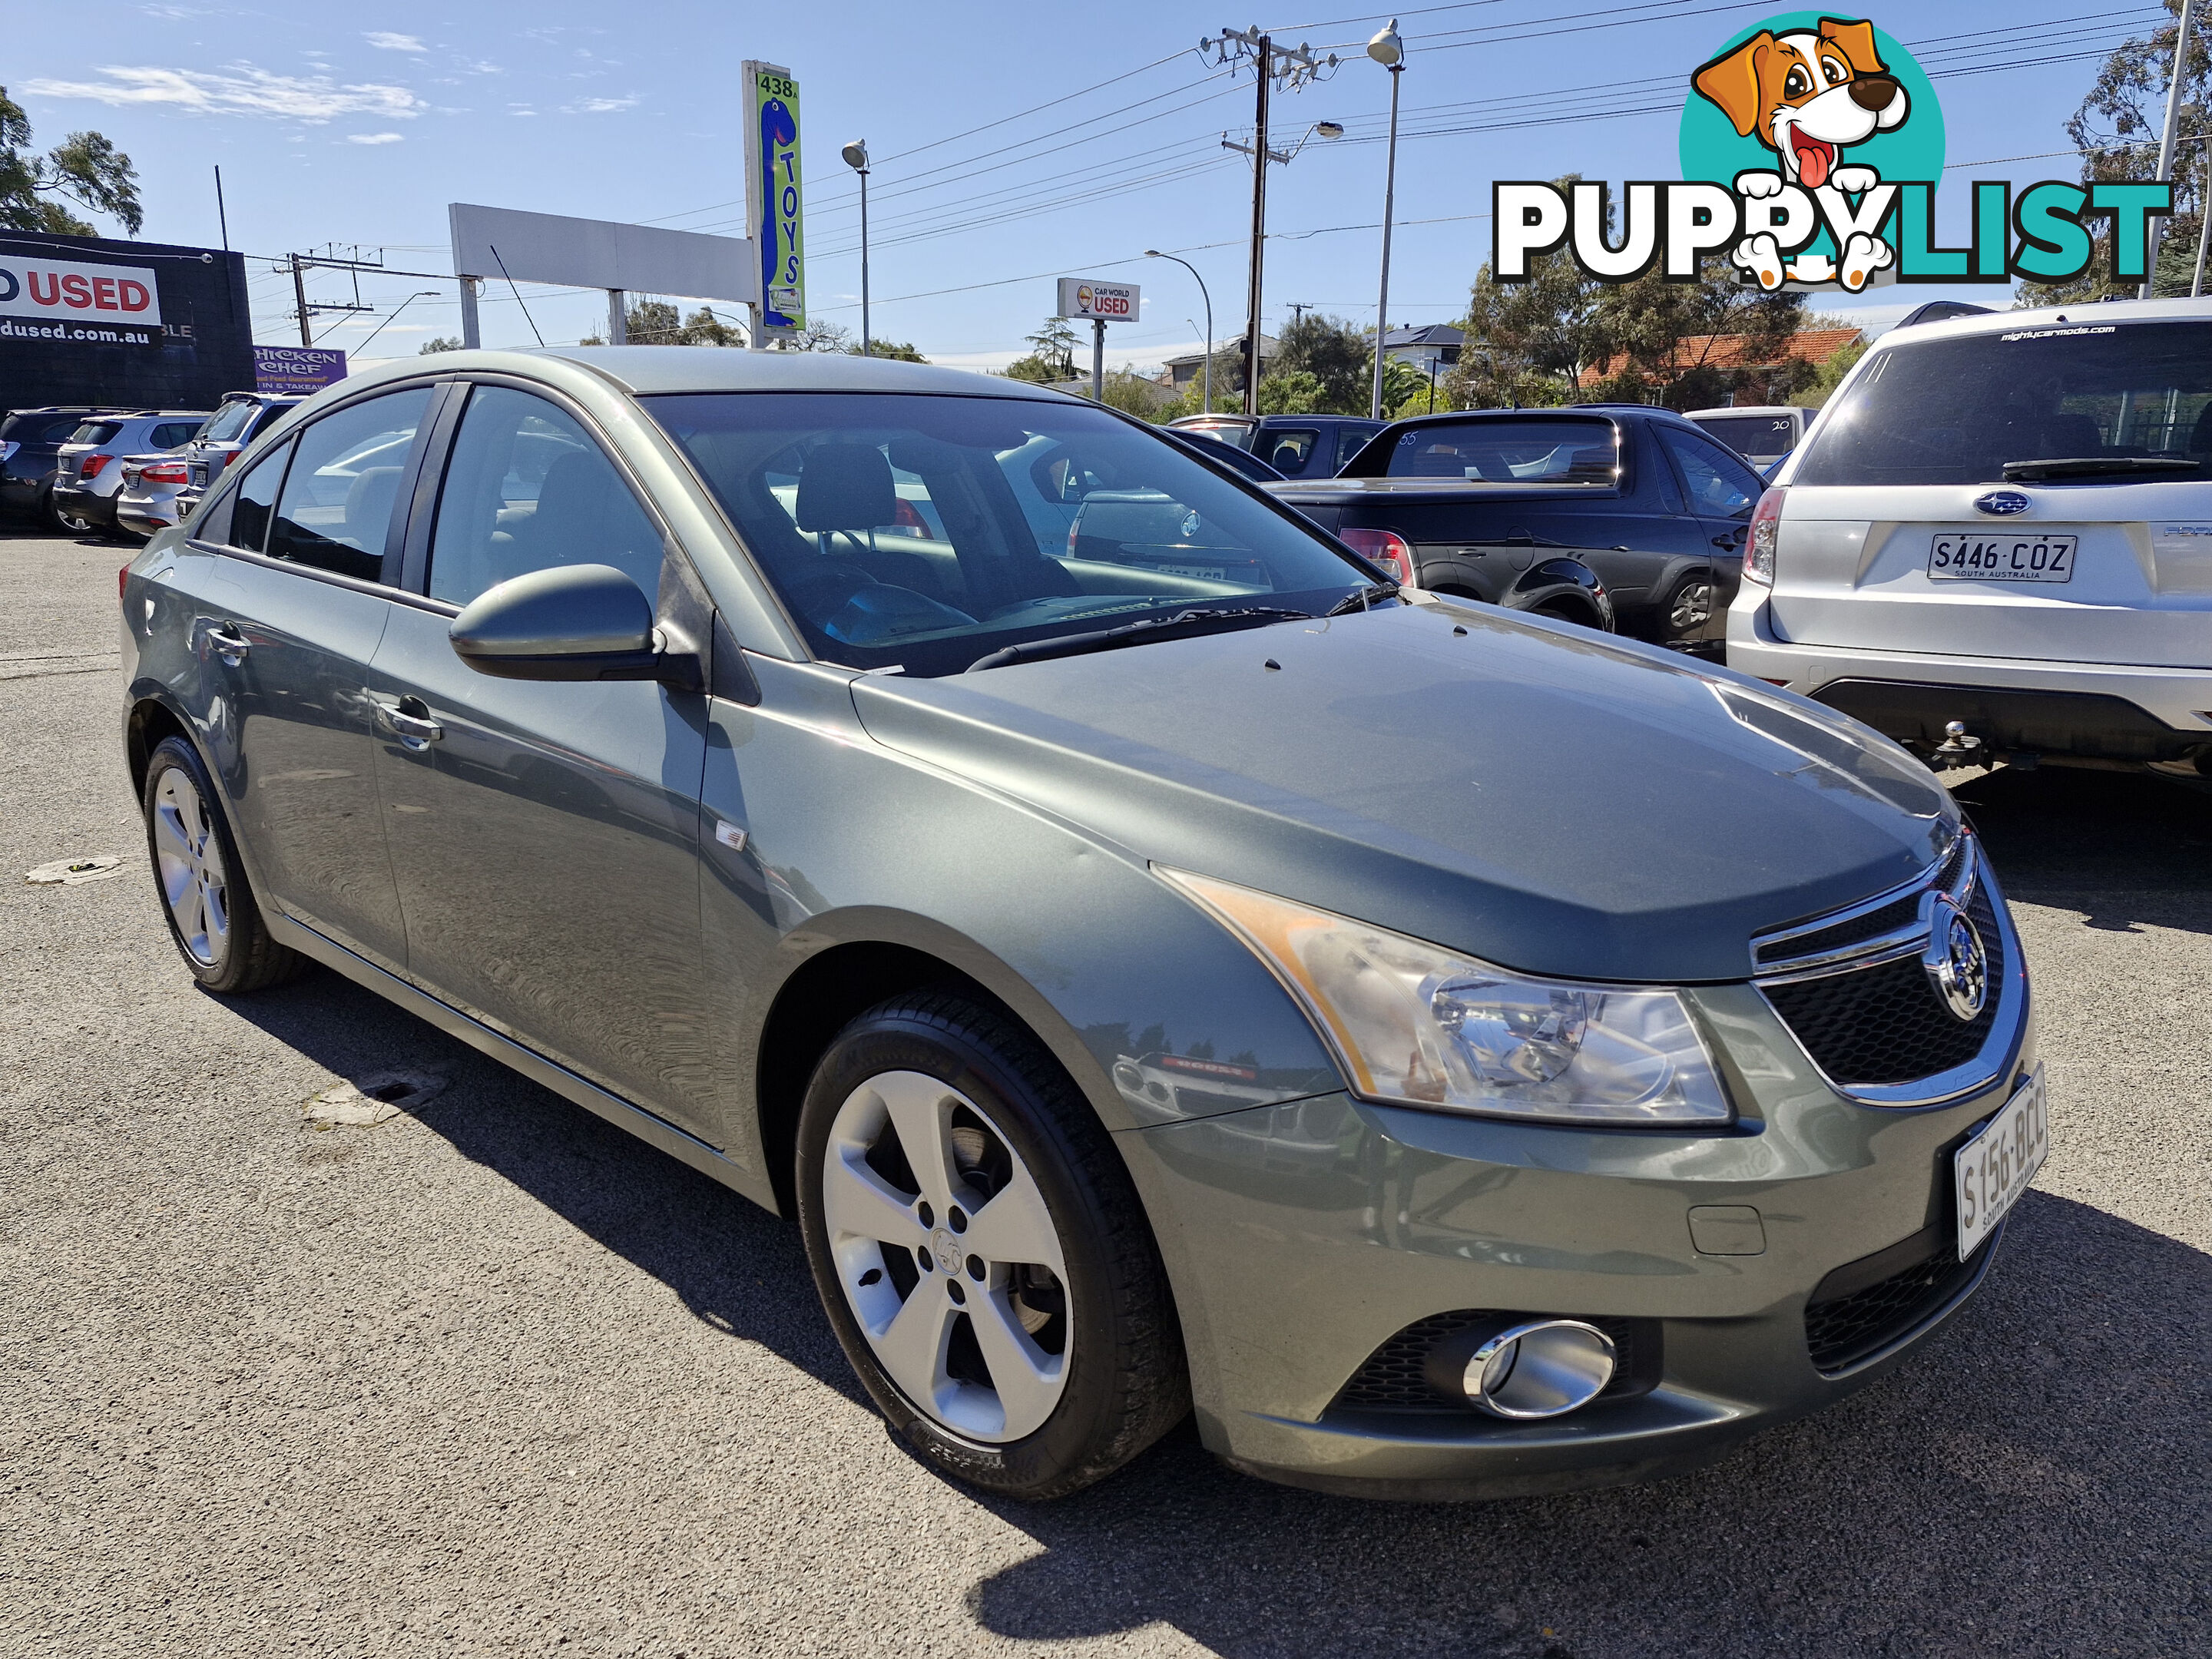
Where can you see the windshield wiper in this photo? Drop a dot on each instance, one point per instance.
(1373, 593)
(1181, 624)
(2090, 466)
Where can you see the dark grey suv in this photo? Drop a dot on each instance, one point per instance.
(1456, 1052)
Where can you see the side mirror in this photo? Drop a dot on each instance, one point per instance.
(572, 622)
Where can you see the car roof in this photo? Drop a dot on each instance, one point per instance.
(647, 369)
(2008, 322)
(1750, 409)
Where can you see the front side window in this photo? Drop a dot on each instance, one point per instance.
(1350, 440)
(1288, 449)
(527, 489)
(1721, 487)
(930, 531)
(1549, 451)
(1958, 410)
(336, 509)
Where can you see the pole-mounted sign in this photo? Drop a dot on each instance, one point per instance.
(772, 196)
(1103, 303)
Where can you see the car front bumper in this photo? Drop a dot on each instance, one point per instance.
(1301, 1238)
(2115, 711)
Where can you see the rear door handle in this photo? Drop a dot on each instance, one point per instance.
(1728, 543)
(416, 730)
(229, 645)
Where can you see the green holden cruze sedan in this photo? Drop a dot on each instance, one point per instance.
(1162, 966)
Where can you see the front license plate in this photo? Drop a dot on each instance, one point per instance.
(1990, 1171)
(2016, 558)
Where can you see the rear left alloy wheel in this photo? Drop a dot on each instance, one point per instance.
(214, 921)
(980, 1251)
(1690, 606)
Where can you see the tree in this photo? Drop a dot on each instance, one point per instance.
(85, 167)
(2116, 130)
(656, 322)
(1664, 339)
(1535, 338)
(895, 351)
(1829, 375)
(1299, 392)
(437, 343)
(1034, 369)
(1338, 359)
(1055, 348)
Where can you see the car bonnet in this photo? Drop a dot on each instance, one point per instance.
(1545, 798)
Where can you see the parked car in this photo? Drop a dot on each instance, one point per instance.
(2003, 522)
(30, 439)
(88, 468)
(1762, 436)
(160, 490)
(1243, 463)
(1296, 446)
(1614, 515)
(1570, 1059)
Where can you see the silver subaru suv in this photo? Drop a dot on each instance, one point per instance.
(1164, 975)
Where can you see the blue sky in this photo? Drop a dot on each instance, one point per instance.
(356, 125)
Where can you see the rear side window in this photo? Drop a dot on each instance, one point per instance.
(1955, 411)
(170, 434)
(253, 501)
(1511, 452)
(1350, 440)
(336, 508)
(95, 432)
(527, 489)
(1762, 437)
(1289, 449)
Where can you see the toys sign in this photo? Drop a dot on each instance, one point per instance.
(1106, 302)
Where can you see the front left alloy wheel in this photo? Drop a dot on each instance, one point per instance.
(980, 1252)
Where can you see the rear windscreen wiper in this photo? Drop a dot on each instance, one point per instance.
(1183, 624)
(2090, 466)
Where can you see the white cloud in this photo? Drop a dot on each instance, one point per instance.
(385, 41)
(241, 89)
(598, 106)
(373, 138)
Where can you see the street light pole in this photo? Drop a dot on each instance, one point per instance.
(1154, 253)
(856, 157)
(1387, 50)
(2165, 142)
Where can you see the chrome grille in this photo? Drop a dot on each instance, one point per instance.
(1852, 990)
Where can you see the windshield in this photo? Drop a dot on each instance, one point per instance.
(930, 531)
(1955, 411)
(224, 426)
(1510, 452)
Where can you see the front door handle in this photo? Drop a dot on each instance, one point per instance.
(230, 644)
(409, 721)
(1728, 543)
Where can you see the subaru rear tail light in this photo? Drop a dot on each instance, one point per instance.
(122, 582)
(165, 472)
(1383, 547)
(93, 465)
(1766, 532)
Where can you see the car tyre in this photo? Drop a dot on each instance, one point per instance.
(214, 919)
(1691, 605)
(980, 1251)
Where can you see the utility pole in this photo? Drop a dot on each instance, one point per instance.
(2166, 143)
(300, 294)
(222, 214)
(1098, 360)
(1294, 69)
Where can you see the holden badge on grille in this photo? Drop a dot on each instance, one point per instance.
(1957, 963)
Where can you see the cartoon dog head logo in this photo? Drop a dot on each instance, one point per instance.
(1807, 94)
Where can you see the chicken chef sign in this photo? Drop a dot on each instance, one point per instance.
(1811, 148)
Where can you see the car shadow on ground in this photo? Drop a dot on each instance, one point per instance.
(734, 1266)
(2051, 1436)
(2123, 848)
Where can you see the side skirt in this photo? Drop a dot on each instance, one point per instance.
(654, 1131)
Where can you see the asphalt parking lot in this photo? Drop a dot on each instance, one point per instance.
(491, 1376)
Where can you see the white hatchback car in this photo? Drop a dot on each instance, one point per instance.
(2003, 522)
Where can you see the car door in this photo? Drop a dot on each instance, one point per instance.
(288, 617)
(544, 836)
(1722, 492)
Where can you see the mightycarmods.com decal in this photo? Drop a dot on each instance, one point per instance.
(1812, 146)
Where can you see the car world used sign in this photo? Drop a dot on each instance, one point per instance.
(1109, 302)
(297, 371)
(69, 301)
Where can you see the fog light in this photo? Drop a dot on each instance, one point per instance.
(1541, 1368)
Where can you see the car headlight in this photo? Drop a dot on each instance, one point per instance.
(1416, 1024)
